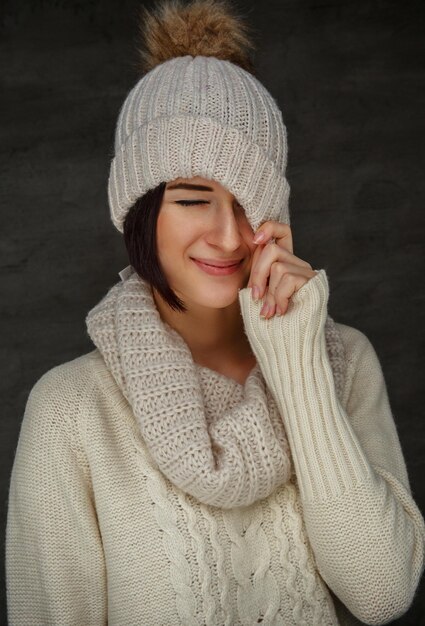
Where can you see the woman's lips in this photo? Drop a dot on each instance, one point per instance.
(218, 271)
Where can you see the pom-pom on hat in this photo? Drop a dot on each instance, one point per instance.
(199, 111)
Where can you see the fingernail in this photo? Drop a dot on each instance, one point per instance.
(259, 237)
(255, 293)
(264, 310)
(278, 311)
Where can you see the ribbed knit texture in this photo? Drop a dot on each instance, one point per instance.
(227, 459)
(201, 116)
(296, 354)
(96, 533)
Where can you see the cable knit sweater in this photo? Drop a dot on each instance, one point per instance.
(105, 528)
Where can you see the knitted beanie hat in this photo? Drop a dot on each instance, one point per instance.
(198, 112)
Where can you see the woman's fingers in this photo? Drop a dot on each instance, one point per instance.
(281, 232)
(263, 261)
(276, 273)
(255, 258)
(285, 280)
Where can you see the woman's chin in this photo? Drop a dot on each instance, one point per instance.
(214, 299)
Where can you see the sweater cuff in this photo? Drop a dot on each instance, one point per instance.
(292, 354)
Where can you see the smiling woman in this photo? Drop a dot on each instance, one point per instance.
(226, 454)
(197, 230)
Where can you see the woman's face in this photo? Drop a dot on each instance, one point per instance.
(201, 228)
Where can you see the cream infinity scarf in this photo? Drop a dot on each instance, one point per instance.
(239, 457)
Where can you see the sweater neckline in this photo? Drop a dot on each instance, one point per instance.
(207, 370)
(228, 379)
(202, 443)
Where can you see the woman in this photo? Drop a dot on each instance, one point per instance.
(227, 453)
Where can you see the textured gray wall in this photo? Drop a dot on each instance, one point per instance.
(349, 77)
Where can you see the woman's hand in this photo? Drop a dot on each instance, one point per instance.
(276, 273)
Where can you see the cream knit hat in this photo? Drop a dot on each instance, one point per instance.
(199, 115)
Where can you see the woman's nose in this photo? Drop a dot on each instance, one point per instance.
(226, 229)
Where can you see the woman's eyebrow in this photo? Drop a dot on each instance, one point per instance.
(190, 186)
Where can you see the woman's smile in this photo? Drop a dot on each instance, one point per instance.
(218, 268)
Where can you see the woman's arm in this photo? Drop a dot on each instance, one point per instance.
(366, 531)
(55, 569)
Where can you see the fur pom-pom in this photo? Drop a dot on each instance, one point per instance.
(201, 27)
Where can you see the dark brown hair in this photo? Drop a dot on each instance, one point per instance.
(140, 240)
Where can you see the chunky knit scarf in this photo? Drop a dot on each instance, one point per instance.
(232, 460)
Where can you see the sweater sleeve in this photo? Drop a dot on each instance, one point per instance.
(55, 571)
(365, 529)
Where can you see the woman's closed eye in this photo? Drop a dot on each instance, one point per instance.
(195, 202)
(191, 202)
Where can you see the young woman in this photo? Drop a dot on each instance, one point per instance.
(227, 453)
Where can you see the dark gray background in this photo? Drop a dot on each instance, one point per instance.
(349, 77)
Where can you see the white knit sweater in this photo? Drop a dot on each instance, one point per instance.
(98, 534)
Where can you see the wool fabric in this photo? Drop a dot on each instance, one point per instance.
(97, 533)
(201, 116)
(230, 459)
